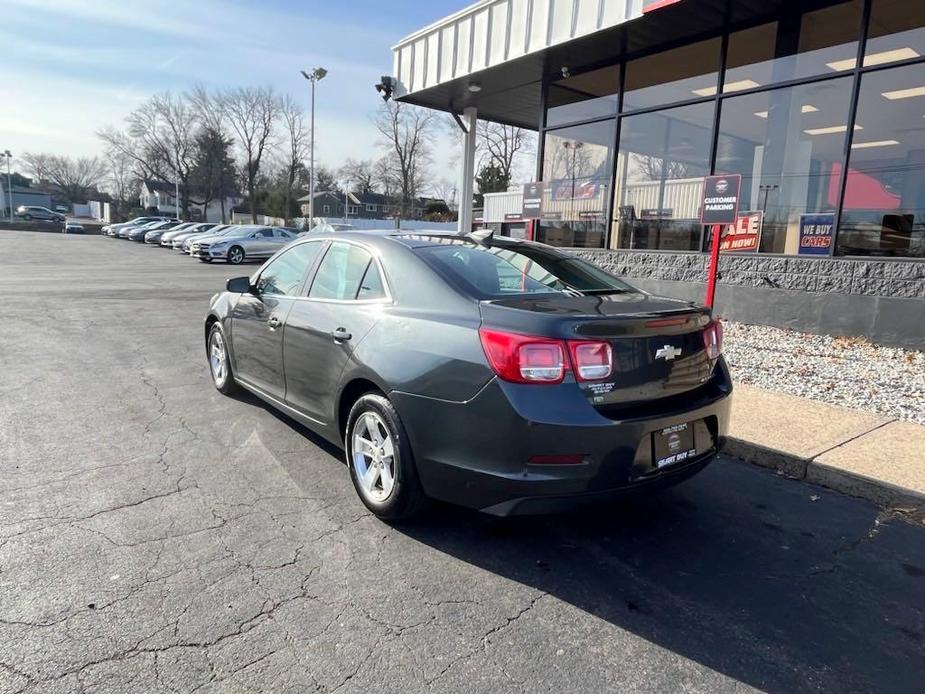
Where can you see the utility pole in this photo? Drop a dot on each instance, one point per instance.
(176, 181)
(316, 74)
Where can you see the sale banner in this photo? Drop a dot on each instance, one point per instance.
(745, 235)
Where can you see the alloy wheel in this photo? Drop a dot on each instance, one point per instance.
(235, 256)
(218, 359)
(373, 457)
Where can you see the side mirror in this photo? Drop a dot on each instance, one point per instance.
(238, 285)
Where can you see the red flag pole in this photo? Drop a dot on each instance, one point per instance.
(714, 266)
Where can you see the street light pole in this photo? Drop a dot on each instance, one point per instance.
(346, 201)
(9, 181)
(317, 74)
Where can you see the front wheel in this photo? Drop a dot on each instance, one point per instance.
(236, 255)
(220, 361)
(380, 460)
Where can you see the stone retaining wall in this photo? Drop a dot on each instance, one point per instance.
(872, 277)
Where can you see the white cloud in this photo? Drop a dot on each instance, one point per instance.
(124, 52)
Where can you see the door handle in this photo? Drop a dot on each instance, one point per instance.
(341, 335)
(273, 322)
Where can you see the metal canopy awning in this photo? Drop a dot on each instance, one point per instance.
(506, 47)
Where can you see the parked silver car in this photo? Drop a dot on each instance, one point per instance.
(113, 229)
(242, 243)
(154, 236)
(28, 212)
(195, 228)
(178, 240)
(124, 231)
(217, 231)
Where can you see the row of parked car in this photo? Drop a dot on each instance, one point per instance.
(207, 241)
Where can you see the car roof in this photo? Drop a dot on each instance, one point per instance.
(412, 238)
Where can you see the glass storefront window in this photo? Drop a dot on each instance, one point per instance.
(583, 97)
(897, 31)
(788, 145)
(812, 44)
(576, 171)
(679, 74)
(883, 212)
(828, 38)
(663, 157)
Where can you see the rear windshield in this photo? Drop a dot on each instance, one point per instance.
(495, 271)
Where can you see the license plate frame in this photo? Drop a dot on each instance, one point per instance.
(673, 445)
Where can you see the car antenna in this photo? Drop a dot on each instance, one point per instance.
(482, 237)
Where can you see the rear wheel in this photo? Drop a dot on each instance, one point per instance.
(235, 255)
(380, 460)
(220, 361)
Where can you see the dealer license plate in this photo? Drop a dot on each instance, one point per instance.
(673, 445)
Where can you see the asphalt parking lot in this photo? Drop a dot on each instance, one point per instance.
(157, 536)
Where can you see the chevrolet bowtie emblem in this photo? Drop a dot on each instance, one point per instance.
(668, 353)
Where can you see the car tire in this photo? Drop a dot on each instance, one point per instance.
(382, 470)
(235, 255)
(220, 361)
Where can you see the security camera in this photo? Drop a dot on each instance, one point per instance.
(566, 73)
(385, 87)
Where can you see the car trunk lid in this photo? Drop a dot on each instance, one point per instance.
(657, 343)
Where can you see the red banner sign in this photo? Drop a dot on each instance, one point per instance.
(744, 235)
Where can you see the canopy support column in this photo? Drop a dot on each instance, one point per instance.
(470, 121)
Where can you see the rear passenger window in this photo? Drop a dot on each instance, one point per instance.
(371, 287)
(340, 272)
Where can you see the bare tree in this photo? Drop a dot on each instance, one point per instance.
(446, 190)
(407, 133)
(503, 145)
(385, 172)
(72, 176)
(659, 169)
(214, 169)
(296, 150)
(360, 174)
(252, 113)
(122, 179)
(161, 140)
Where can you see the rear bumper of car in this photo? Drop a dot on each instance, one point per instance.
(482, 453)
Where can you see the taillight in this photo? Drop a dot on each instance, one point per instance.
(713, 339)
(524, 358)
(592, 360)
(530, 359)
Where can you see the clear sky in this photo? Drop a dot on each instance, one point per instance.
(70, 67)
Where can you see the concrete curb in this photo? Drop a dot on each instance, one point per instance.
(878, 491)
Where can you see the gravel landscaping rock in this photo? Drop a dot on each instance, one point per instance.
(850, 372)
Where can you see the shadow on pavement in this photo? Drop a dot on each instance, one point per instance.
(778, 584)
(736, 569)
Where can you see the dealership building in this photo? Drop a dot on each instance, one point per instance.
(815, 109)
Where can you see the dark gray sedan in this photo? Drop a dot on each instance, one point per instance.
(498, 374)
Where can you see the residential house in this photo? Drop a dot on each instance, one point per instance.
(161, 196)
(360, 205)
